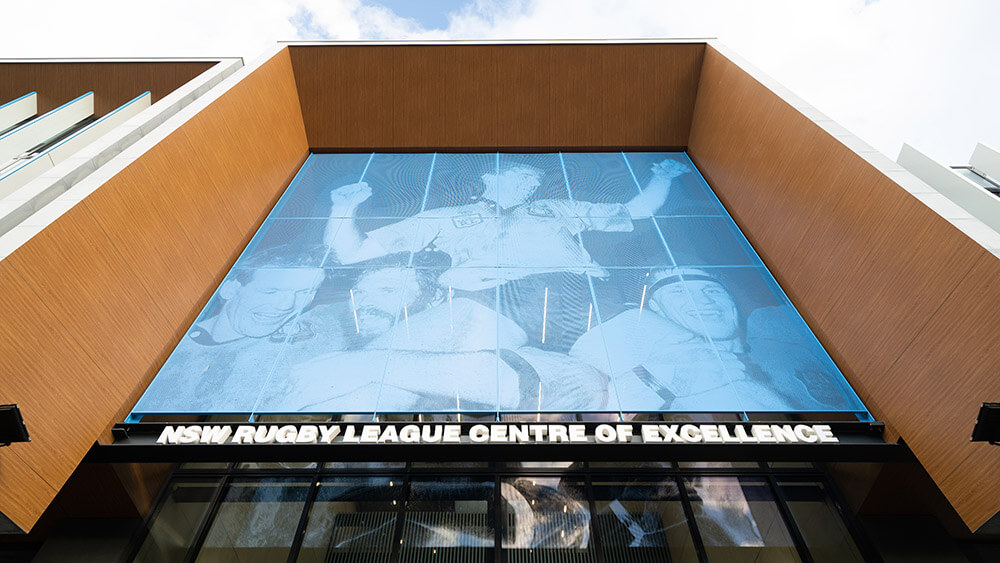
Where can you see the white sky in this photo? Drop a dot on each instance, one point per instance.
(921, 71)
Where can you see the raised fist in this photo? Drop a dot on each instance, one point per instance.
(668, 169)
(350, 196)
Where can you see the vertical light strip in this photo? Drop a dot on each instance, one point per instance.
(642, 301)
(354, 308)
(427, 188)
(545, 313)
(538, 415)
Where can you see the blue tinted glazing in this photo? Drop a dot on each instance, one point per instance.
(495, 283)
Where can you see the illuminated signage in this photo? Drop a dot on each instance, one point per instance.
(497, 433)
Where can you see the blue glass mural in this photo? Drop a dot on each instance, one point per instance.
(498, 283)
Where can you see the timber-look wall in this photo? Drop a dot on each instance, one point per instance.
(902, 300)
(94, 303)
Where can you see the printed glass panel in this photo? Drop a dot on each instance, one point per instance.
(496, 283)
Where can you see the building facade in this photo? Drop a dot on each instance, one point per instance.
(544, 199)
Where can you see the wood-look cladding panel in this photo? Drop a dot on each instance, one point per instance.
(346, 95)
(951, 367)
(884, 281)
(489, 96)
(100, 296)
(35, 347)
(113, 83)
(71, 266)
(649, 93)
(454, 107)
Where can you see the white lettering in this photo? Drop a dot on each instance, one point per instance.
(624, 432)
(726, 436)
(286, 434)
(431, 437)
(577, 433)
(743, 437)
(763, 433)
(265, 434)
(369, 434)
(308, 434)
(498, 433)
(650, 434)
(783, 433)
(690, 433)
(710, 433)
(558, 433)
(538, 431)
(410, 434)
(604, 433)
(170, 435)
(452, 433)
(243, 435)
(215, 434)
(349, 435)
(191, 435)
(389, 435)
(479, 433)
(328, 433)
(669, 433)
(825, 434)
(518, 433)
(805, 433)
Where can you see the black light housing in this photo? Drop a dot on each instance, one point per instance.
(987, 427)
(12, 428)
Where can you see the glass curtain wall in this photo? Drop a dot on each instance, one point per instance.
(512, 512)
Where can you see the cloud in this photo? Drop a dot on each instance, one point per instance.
(890, 71)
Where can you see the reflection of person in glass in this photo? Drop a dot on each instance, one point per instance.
(687, 352)
(536, 234)
(438, 353)
(260, 310)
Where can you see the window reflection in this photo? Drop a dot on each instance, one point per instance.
(351, 517)
(175, 522)
(817, 518)
(739, 520)
(537, 511)
(448, 520)
(546, 519)
(256, 520)
(642, 520)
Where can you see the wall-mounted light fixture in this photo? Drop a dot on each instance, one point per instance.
(12, 428)
(987, 427)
